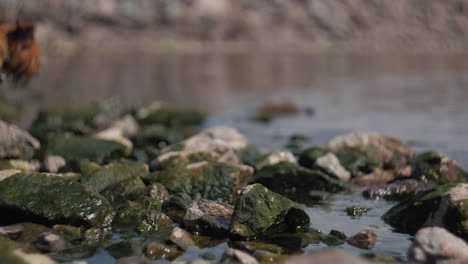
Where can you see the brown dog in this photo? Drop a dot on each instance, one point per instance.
(19, 51)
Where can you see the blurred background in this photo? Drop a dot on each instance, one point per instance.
(398, 66)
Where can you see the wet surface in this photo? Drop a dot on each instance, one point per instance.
(421, 99)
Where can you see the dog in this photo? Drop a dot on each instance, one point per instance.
(19, 51)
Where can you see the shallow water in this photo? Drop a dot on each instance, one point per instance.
(421, 99)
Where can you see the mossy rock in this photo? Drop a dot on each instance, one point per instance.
(308, 157)
(176, 206)
(142, 215)
(296, 182)
(436, 168)
(259, 211)
(75, 149)
(175, 117)
(201, 177)
(62, 201)
(445, 206)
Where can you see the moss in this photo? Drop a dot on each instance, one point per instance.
(355, 161)
(434, 168)
(141, 215)
(259, 210)
(129, 189)
(249, 155)
(63, 201)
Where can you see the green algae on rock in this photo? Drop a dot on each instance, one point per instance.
(446, 206)
(62, 201)
(142, 215)
(259, 211)
(436, 168)
(296, 182)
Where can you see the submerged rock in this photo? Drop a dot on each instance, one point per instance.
(181, 238)
(61, 201)
(365, 239)
(15, 142)
(383, 148)
(330, 164)
(436, 168)
(236, 256)
(202, 177)
(433, 244)
(296, 182)
(357, 210)
(445, 206)
(259, 210)
(156, 250)
(397, 190)
(158, 192)
(126, 248)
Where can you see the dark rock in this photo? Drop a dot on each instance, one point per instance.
(331, 240)
(357, 210)
(176, 206)
(125, 248)
(213, 226)
(62, 201)
(158, 192)
(16, 143)
(49, 242)
(259, 210)
(156, 250)
(436, 168)
(445, 206)
(252, 246)
(129, 189)
(365, 239)
(142, 215)
(236, 256)
(181, 238)
(330, 164)
(338, 234)
(293, 241)
(434, 244)
(172, 117)
(296, 182)
(209, 218)
(397, 190)
(276, 108)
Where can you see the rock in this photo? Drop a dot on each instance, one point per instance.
(176, 206)
(181, 238)
(331, 240)
(377, 176)
(204, 207)
(116, 135)
(212, 226)
(268, 257)
(49, 242)
(434, 244)
(293, 241)
(156, 250)
(258, 210)
(125, 248)
(129, 189)
(365, 239)
(436, 168)
(276, 108)
(171, 117)
(385, 149)
(22, 165)
(397, 190)
(54, 163)
(31, 258)
(219, 142)
(357, 210)
(16, 143)
(202, 177)
(128, 125)
(446, 206)
(236, 256)
(296, 182)
(330, 164)
(62, 201)
(276, 157)
(7, 173)
(78, 148)
(12, 231)
(142, 215)
(338, 234)
(252, 246)
(158, 192)
(325, 257)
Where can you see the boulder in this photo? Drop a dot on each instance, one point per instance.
(436, 168)
(259, 210)
(142, 215)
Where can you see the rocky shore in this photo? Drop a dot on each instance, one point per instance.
(152, 182)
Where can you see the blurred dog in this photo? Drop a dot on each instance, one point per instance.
(19, 51)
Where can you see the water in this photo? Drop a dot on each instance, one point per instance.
(421, 99)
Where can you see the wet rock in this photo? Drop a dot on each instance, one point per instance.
(30, 258)
(7, 173)
(331, 240)
(79, 148)
(325, 257)
(219, 142)
(293, 241)
(176, 206)
(125, 248)
(204, 207)
(338, 234)
(213, 226)
(115, 135)
(365, 239)
(54, 163)
(268, 257)
(127, 125)
(171, 117)
(276, 108)
(128, 189)
(397, 190)
(252, 246)
(16, 143)
(276, 157)
(49, 242)
(357, 210)
(377, 176)
(12, 231)
(158, 192)
(330, 164)
(436, 168)
(433, 244)
(259, 210)
(142, 215)
(156, 250)
(383, 148)
(236, 256)
(296, 182)
(446, 206)
(22, 165)
(62, 201)
(181, 238)
(202, 177)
